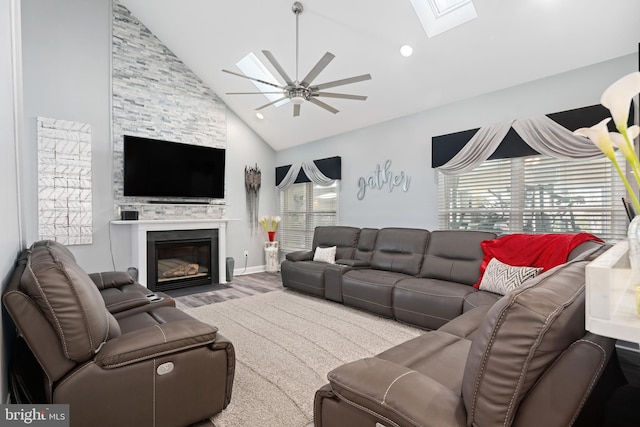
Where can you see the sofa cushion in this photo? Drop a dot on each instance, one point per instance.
(366, 244)
(344, 238)
(69, 300)
(326, 255)
(437, 354)
(502, 278)
(521, 336)
(400, 250)
(454, 255)
(479, 298)
(305, 276)
(370, 290)
(428, 303)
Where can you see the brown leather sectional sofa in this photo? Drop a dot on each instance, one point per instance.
(118, 354)
(523, 359)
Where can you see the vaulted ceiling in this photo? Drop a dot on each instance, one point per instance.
(509, 43)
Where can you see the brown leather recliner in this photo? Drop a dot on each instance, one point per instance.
(153, 366)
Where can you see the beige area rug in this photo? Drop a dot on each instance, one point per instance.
(286, 343)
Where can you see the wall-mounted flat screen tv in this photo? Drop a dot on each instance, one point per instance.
(156, 168)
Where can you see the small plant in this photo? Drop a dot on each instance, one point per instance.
(269, 223)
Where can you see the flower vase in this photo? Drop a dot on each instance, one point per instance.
(272, 235)
(633, 234)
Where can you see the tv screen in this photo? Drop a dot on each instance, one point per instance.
(155, 168)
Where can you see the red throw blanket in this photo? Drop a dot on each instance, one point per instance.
(532, 250)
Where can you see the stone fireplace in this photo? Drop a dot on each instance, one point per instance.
(181, 258)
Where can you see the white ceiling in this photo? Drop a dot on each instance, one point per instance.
(509, 43)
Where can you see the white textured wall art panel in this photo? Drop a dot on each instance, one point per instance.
(64, 181)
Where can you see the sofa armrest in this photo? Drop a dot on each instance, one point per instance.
(353, 263)
(300, 256)
(117, 301)
(154, 341)
(111, 279)
(397, 393)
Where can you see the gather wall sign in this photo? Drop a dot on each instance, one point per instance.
(381, 178)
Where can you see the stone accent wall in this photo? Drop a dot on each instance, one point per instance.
(156, 96)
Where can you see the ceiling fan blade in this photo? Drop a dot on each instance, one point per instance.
(296, 110)
(341, 95)
(317, 69)
(342, 82)
(277, 66)
(252, 93)
(271, 103)
(254, 79)
(323, 105)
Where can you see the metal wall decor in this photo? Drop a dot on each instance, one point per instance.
(252, 182)
(383, 177)
(64, 181)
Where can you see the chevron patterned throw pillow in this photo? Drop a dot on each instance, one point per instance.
(501, 278)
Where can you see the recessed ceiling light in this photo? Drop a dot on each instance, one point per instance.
(260, 116)
(406, 51)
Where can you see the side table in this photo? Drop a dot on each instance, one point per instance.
(610, 308)
(271, 256)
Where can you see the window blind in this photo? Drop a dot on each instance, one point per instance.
(535, 194)
(303, 207)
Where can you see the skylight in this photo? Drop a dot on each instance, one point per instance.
(438, 16)
(251, 66)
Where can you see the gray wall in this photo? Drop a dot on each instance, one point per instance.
(10, 243)
(407, 142)
(66, 49)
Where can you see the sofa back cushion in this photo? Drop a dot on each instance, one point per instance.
(519, 339)
(343, 238)
(454, 255)
(400, 250)
(366, 244)
(68, 299)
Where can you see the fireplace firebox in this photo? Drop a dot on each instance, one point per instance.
(181, 258)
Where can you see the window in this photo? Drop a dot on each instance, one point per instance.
(438, 16)
(303, 207)
(535, 194)
(251, 66)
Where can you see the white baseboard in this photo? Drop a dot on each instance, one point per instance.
(249, 270)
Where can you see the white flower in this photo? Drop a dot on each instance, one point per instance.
(617, 98)
(599, 135)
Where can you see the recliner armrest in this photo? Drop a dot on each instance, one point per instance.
(154, 341)
(300, 256)
(111, 279)
(397, 393)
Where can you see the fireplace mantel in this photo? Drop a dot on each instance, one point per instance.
(140, 228)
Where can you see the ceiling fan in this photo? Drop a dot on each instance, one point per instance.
(299, 91)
